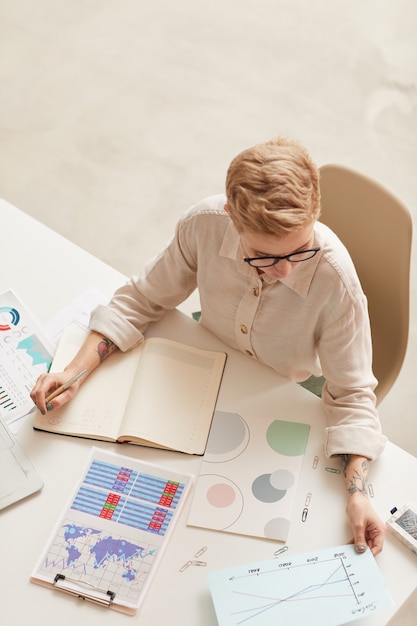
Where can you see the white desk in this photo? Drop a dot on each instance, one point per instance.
(47, 272)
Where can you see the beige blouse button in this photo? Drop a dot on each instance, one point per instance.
(256, 291)
(244, 329)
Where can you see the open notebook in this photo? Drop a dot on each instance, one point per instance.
(18, 478)
(161, 394)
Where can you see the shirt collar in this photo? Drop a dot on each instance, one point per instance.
(300, 278)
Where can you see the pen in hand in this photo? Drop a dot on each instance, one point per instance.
(65, 386)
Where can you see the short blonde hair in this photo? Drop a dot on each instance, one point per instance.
(273, 188)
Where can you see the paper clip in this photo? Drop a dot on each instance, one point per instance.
(197, 563)
(371, 490)
(185, 566)
(99, 596)
(308, 499)
(332, 470)
(281, 551)
(315, 462)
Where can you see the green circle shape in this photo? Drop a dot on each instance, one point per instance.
(287, 438)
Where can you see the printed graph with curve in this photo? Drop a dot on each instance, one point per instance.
(321, 588)
(115, 527)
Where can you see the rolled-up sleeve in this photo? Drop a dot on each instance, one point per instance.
(113, 325)
(348, 393)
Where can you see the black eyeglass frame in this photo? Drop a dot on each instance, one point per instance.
(275, 259)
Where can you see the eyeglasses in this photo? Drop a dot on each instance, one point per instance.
(295, 257)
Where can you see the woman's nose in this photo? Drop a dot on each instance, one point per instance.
(282, 269)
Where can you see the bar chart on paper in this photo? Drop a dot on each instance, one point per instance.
(128, 497)
(322, 588)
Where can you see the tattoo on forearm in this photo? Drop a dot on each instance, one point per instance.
(104, 348)
(358, 481)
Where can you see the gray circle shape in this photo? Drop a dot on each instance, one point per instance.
(228, 431)
(277, 528)
(264, 491)
(282, 479)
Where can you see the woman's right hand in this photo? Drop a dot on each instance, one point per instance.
(47, 384)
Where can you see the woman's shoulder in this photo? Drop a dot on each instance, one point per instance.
(337, 262)
(212, 206)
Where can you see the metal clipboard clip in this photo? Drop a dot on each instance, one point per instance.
(80, 590)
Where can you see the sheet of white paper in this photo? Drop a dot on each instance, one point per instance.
(322, 588)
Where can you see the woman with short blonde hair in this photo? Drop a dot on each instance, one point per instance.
(273, 188)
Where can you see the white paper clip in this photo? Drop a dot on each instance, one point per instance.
(185, 566)
(199, 563)
(281, 551)
(200, 552)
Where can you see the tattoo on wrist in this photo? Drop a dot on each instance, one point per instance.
(358, 480)
(104, 348)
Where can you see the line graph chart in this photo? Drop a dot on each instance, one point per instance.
(327, 587)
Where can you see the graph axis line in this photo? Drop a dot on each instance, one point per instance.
(296, 595)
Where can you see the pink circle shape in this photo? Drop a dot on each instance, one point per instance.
(221, 495)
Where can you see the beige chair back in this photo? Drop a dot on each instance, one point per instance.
(376, 228)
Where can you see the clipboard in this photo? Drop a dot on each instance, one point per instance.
(108, 541)
(18, 477)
